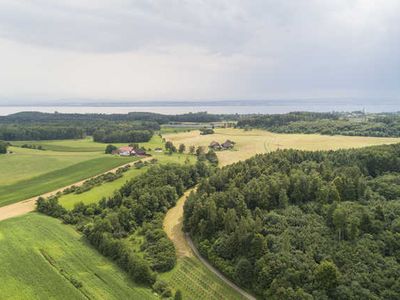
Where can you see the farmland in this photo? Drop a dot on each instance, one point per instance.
(51, 258)
(37, 185)
(82, 145)
(27, 172)
(27, 163)
(98, 192)
(249, 143)
(62, 247)
(197, 282)
(107, 189)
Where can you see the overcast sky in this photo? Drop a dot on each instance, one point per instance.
(198, 49)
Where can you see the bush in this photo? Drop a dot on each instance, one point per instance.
(3, 147)
(110, 149)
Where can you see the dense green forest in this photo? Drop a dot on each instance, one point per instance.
(304, 225)
(356, 124)
(39, 117)
(103, 131)
(16, 132)
(127, 227)
(133, 127)
(122, 136)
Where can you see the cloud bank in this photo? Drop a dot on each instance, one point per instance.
(198, 49)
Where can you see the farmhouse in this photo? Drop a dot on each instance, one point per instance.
(215, 145)
(228, 144)
(129, 151)
(158, 150)
(125, 151)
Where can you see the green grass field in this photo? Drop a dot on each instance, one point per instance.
(50, 181)
(27, 163)
(108, 188)
(98, 192)
(83, 145)
(40, 258)
(197, 282)
(28, 173)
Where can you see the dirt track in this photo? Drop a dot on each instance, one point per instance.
(173, 227)
(28, 205)
(183, 244)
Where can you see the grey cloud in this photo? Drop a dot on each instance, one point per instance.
(287, 45)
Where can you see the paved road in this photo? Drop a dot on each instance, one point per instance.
(28, 205)
(216, 272)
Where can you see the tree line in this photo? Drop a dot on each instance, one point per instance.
(304, 225)
(16, 132)
(39, 117)
(381, 125)
(113, 128)
(122, 136)
(127, 227)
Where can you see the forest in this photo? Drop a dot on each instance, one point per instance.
(103, 131)
(132, 127)
(122, 136)
(14, 132)
(39, 117)
(304, 225)
(353, 124)
(127, 227)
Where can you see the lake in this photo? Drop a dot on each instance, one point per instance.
(215, 109)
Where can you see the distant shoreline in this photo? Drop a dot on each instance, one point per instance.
(189, 103)
(216, 107)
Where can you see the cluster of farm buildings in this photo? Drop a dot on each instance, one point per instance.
(130, 151)
(228, 144)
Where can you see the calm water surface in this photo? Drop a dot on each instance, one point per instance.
(234, 109)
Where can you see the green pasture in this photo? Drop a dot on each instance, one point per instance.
(23, 164)
(50, 181)
(43, 259)
(97, 193)
(81, 145)
(107, 189)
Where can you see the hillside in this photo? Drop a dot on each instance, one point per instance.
(295, 224)
(54, 261)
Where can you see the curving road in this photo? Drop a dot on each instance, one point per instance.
(184, 245)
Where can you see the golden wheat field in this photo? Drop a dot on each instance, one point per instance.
(249, 143)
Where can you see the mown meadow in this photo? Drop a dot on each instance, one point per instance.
(28, 173)
(43, 259)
